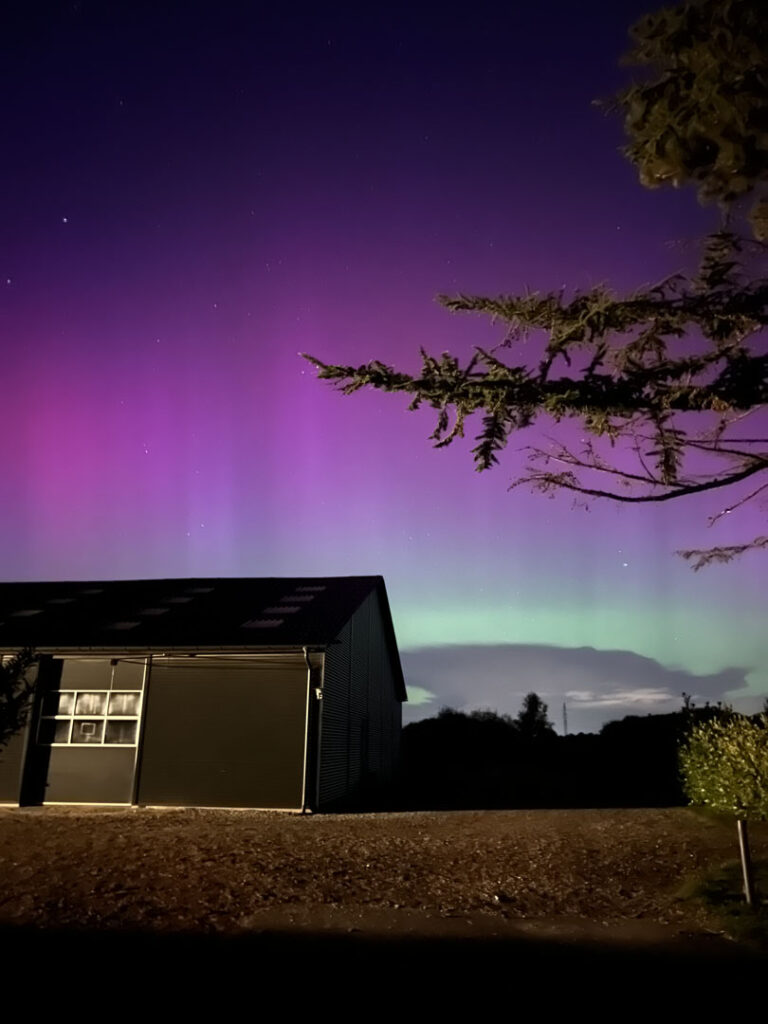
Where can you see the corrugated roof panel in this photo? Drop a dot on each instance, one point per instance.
(211, 616)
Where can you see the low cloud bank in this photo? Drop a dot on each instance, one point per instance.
(596, 686)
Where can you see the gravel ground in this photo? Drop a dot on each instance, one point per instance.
(225, 872)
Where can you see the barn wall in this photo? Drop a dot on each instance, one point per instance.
(224, 733)
(382, 731)
(335, 766)
(89, 776)
(11, 761)
(361, 715)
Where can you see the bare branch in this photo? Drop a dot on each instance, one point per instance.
(706, 556)
(719, 450)
(568, 458)
(556, 480)
(737, 504)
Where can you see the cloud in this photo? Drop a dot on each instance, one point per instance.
(418, 695)
(619, 698)
(596, 686)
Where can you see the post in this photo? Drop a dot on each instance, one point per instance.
(746, 862)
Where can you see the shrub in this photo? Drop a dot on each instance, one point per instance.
(724, 765)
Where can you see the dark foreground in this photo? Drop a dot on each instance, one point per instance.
(367, 975)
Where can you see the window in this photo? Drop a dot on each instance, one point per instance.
(90, 718)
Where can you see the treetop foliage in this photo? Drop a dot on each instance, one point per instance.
(532, 722)
(701, 116)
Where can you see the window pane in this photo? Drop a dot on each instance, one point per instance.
(91, 703)
(124, 704)
(121, 732)
(128, 675)
(58, 703)
(87, 732)
(85, 674)
(53, 730)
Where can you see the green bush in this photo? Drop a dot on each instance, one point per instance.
(724, 764)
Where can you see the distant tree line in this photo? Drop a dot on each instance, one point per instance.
(483, 759)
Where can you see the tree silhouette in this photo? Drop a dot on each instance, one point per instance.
(15, 693)
(532, 722)
(659, 381)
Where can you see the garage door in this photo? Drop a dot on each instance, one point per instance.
(223, 733)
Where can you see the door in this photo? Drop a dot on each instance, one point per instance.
(224, 733)
(84, 732)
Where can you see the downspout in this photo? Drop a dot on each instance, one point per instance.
(139, 755)
(306, 732)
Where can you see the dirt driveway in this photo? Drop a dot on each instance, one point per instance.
(559, 872)
(198, 914)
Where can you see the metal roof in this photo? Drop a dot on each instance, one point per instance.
(187, 614)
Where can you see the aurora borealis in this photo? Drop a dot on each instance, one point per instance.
(193, 193)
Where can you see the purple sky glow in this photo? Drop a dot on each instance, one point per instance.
(193, 193)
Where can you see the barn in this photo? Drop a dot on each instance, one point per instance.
(264, 693)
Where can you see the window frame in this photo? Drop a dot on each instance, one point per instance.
(104, 719)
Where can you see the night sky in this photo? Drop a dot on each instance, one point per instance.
(195, 192)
